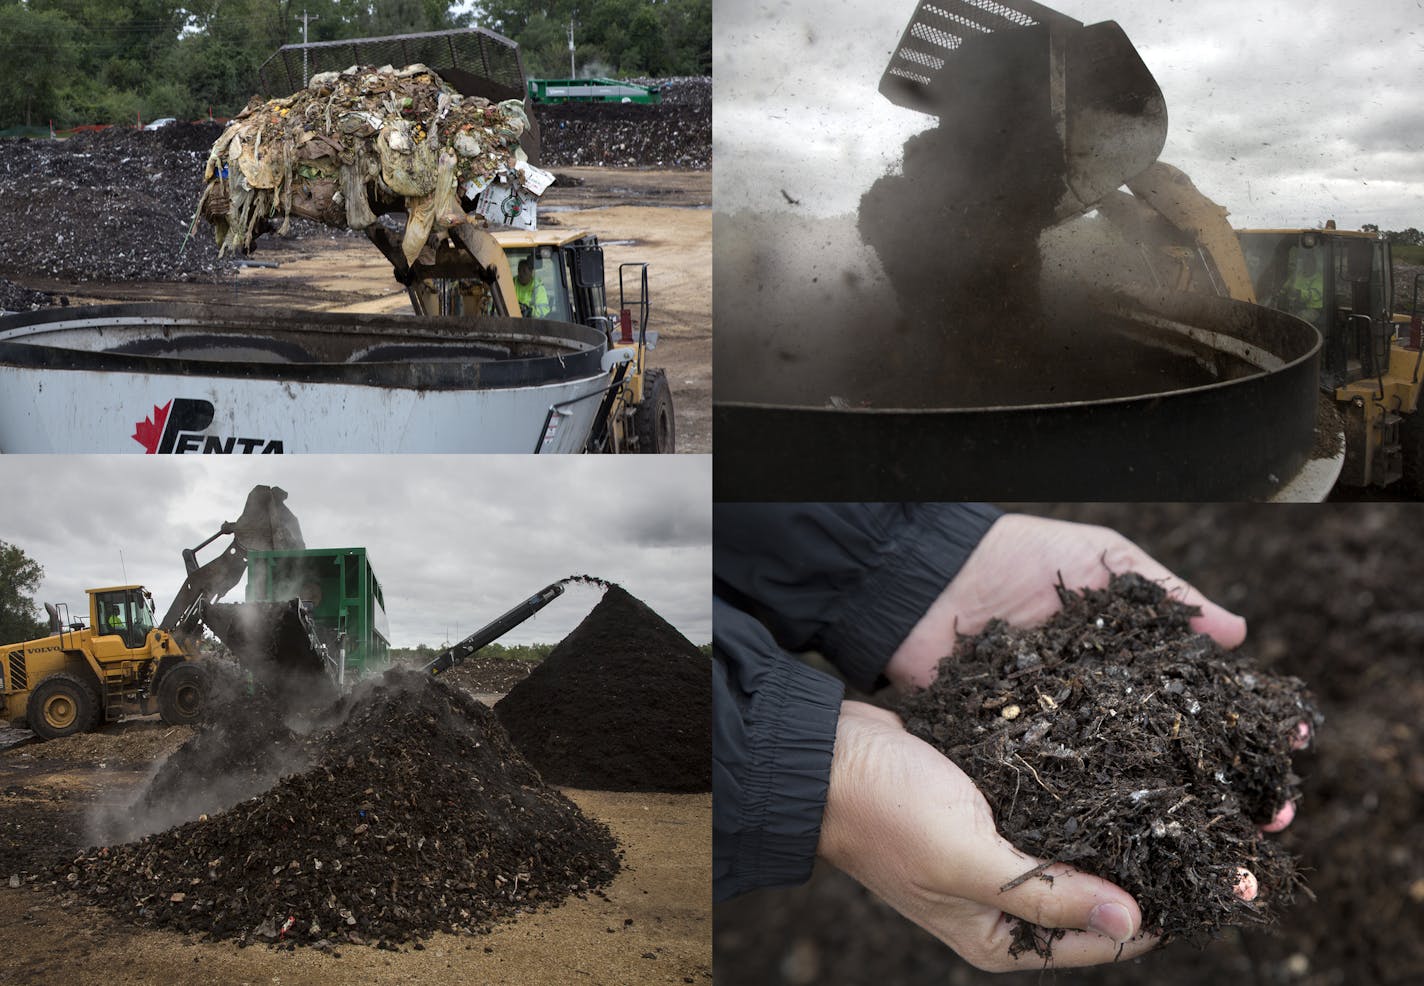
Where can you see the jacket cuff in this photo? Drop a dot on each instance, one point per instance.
(893, 597)
(791, 734)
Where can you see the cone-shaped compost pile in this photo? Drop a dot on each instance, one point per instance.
(416, 815)
(355, 143)
(623, 703)
(1116, 739)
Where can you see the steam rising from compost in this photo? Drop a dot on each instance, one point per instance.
(260, 715)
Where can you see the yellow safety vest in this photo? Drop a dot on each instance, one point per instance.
(1310, 287)
(532, 296)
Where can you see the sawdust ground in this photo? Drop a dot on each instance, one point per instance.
(654, 927)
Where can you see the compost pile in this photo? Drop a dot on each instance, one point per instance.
(676, 133)
(623, 703)
(357, 142)
(106, 206)
(1116, 739)
(14, 298)
(416, 815)
(488, 675)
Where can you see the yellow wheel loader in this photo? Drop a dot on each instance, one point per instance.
(471, 274)
(1340, 281)
(124, 660)
(80, 676)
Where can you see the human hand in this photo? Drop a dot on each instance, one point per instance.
(912, 827)
(1013, 575)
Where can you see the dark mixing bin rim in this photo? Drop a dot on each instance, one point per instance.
(1244, 438)
(583, 360)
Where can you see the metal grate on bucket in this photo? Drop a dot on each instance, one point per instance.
(939, 27)
(482, 55)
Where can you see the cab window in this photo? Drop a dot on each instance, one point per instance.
(549, 274)
(125, 614)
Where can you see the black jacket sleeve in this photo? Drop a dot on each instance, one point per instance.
(773, 731)
(850, 580)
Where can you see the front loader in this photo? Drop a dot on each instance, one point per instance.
(126, 661)
(80, 676)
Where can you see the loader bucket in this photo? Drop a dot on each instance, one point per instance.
(267, 523)
(270, 639)
(1107, 109)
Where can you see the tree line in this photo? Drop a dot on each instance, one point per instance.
(1404, 237)
(117, 61)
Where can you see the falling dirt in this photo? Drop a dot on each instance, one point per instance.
(957, 232)
(623, 703)
(417, 815)
(1115, 739)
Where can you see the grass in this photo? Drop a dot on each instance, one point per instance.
(1408, 254)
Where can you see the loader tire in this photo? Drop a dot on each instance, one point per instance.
(182, 694)
(62, 705)
(1411, 440)
(654, 422)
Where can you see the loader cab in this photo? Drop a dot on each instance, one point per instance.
(1340, 281)
(122, 612)
(569, 265)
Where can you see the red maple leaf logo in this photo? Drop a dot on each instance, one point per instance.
(148, 432)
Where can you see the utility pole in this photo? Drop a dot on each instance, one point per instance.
(305, 19)
(572, 73)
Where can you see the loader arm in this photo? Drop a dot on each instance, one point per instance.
(1190, 244)
(265, 524)
(473, 255)
(491, 632)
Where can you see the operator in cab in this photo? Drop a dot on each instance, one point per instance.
(533, 299)
(1304, 291)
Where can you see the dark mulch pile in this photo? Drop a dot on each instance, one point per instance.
(1114, 738)
(417, 816)
(243, 746)
(14, 298)
(1328, 592)
(623, 703)
(110, 205)
(676, 133)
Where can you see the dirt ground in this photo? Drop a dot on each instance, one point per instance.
(663, 217)
(651, 925)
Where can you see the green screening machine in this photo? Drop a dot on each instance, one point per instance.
(340, 592)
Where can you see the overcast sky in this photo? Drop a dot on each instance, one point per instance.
(1287, 113)
(456, 541)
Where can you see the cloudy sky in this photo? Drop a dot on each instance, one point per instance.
(456, 541)
(1287, 113)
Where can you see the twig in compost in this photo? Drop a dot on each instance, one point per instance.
(1037, 778)
(1023, 878)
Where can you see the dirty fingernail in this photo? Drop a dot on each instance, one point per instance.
(1111, 920)
(1246, 887)
(1283, 817)
(1301, 739)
